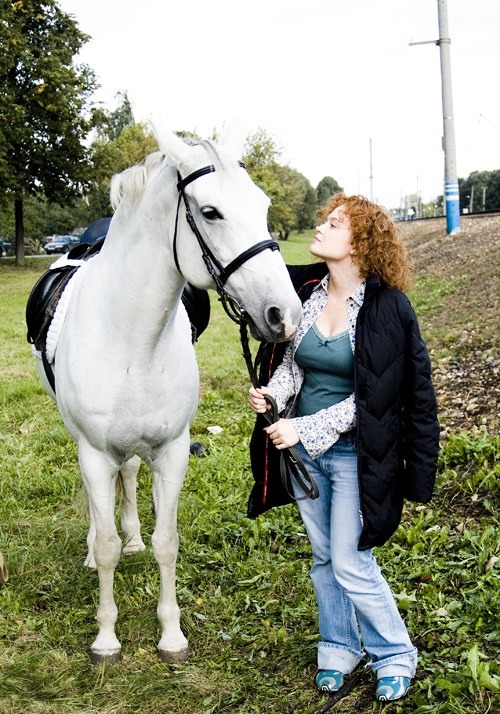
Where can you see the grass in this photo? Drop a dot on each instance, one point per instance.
(247, 603)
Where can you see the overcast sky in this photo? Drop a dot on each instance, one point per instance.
(325, 78)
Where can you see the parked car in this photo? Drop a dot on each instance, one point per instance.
(4, 247)
(61, 244)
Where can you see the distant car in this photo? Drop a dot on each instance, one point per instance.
(61, 244)
(4, 247)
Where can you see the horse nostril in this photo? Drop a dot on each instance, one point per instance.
(274, 317)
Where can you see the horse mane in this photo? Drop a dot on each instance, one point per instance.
(211, 148)
(132, 182)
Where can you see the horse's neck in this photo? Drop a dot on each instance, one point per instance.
(136, 281)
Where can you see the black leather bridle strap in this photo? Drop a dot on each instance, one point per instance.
(246, 255)
(176, 259)
(290, 462)
(210, 260)
(217, 272)
(182, 183)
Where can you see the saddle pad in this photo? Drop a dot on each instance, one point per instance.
(47, 306)
(42, 303)
(57, 321)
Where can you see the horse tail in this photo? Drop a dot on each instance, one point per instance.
(82, 500)
(4, 573)
(119, 488)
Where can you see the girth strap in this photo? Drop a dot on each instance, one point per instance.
(49, 372)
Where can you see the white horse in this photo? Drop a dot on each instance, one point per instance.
(126, 378)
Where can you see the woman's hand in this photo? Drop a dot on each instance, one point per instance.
(256, 399)
(282, 434)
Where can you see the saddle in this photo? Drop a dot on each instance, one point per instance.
(47, 291)
(42, 303)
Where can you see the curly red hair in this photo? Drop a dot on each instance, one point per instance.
(375, 239)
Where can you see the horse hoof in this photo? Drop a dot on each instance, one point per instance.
(105, 656)
(169, 657)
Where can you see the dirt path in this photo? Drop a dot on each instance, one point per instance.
(466, 325)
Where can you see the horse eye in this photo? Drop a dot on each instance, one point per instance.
(211, 213)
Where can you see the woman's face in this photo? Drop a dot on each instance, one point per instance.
(333, 239)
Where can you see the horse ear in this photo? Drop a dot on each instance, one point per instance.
(233, 137)
(170, 144)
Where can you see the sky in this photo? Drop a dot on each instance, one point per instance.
(336, 84)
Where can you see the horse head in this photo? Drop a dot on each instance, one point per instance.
(228, 222)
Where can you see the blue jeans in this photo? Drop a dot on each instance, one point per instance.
(354, 600)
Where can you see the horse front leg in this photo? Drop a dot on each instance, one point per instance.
(168, 476)
(99, 476)
(131, 527)
(130, 523)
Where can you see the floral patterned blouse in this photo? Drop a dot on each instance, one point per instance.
(317, 432)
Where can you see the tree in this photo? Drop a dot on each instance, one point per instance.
(261, 150)
(121, 118)
(480, 191)
(129, 146)
(300, 197)
(327, 187)
(107, 156)
(43, 103)
(307, 208)
(293, 200)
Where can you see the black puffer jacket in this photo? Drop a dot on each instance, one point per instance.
(398, 431)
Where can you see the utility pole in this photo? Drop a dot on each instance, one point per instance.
(450, 166)
(452, 201)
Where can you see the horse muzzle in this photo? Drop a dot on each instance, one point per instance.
(277, 325)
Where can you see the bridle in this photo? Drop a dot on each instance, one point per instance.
(290, 461)
(218, 273)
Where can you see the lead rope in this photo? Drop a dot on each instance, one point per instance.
(290, 462)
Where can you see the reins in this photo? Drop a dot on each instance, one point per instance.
(290, 462)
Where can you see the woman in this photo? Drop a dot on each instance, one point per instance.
(359, 407)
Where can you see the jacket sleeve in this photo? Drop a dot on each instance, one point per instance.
(317, 432)
(420, 423)
(282, 384)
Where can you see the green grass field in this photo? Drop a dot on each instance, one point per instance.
(247, 605)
